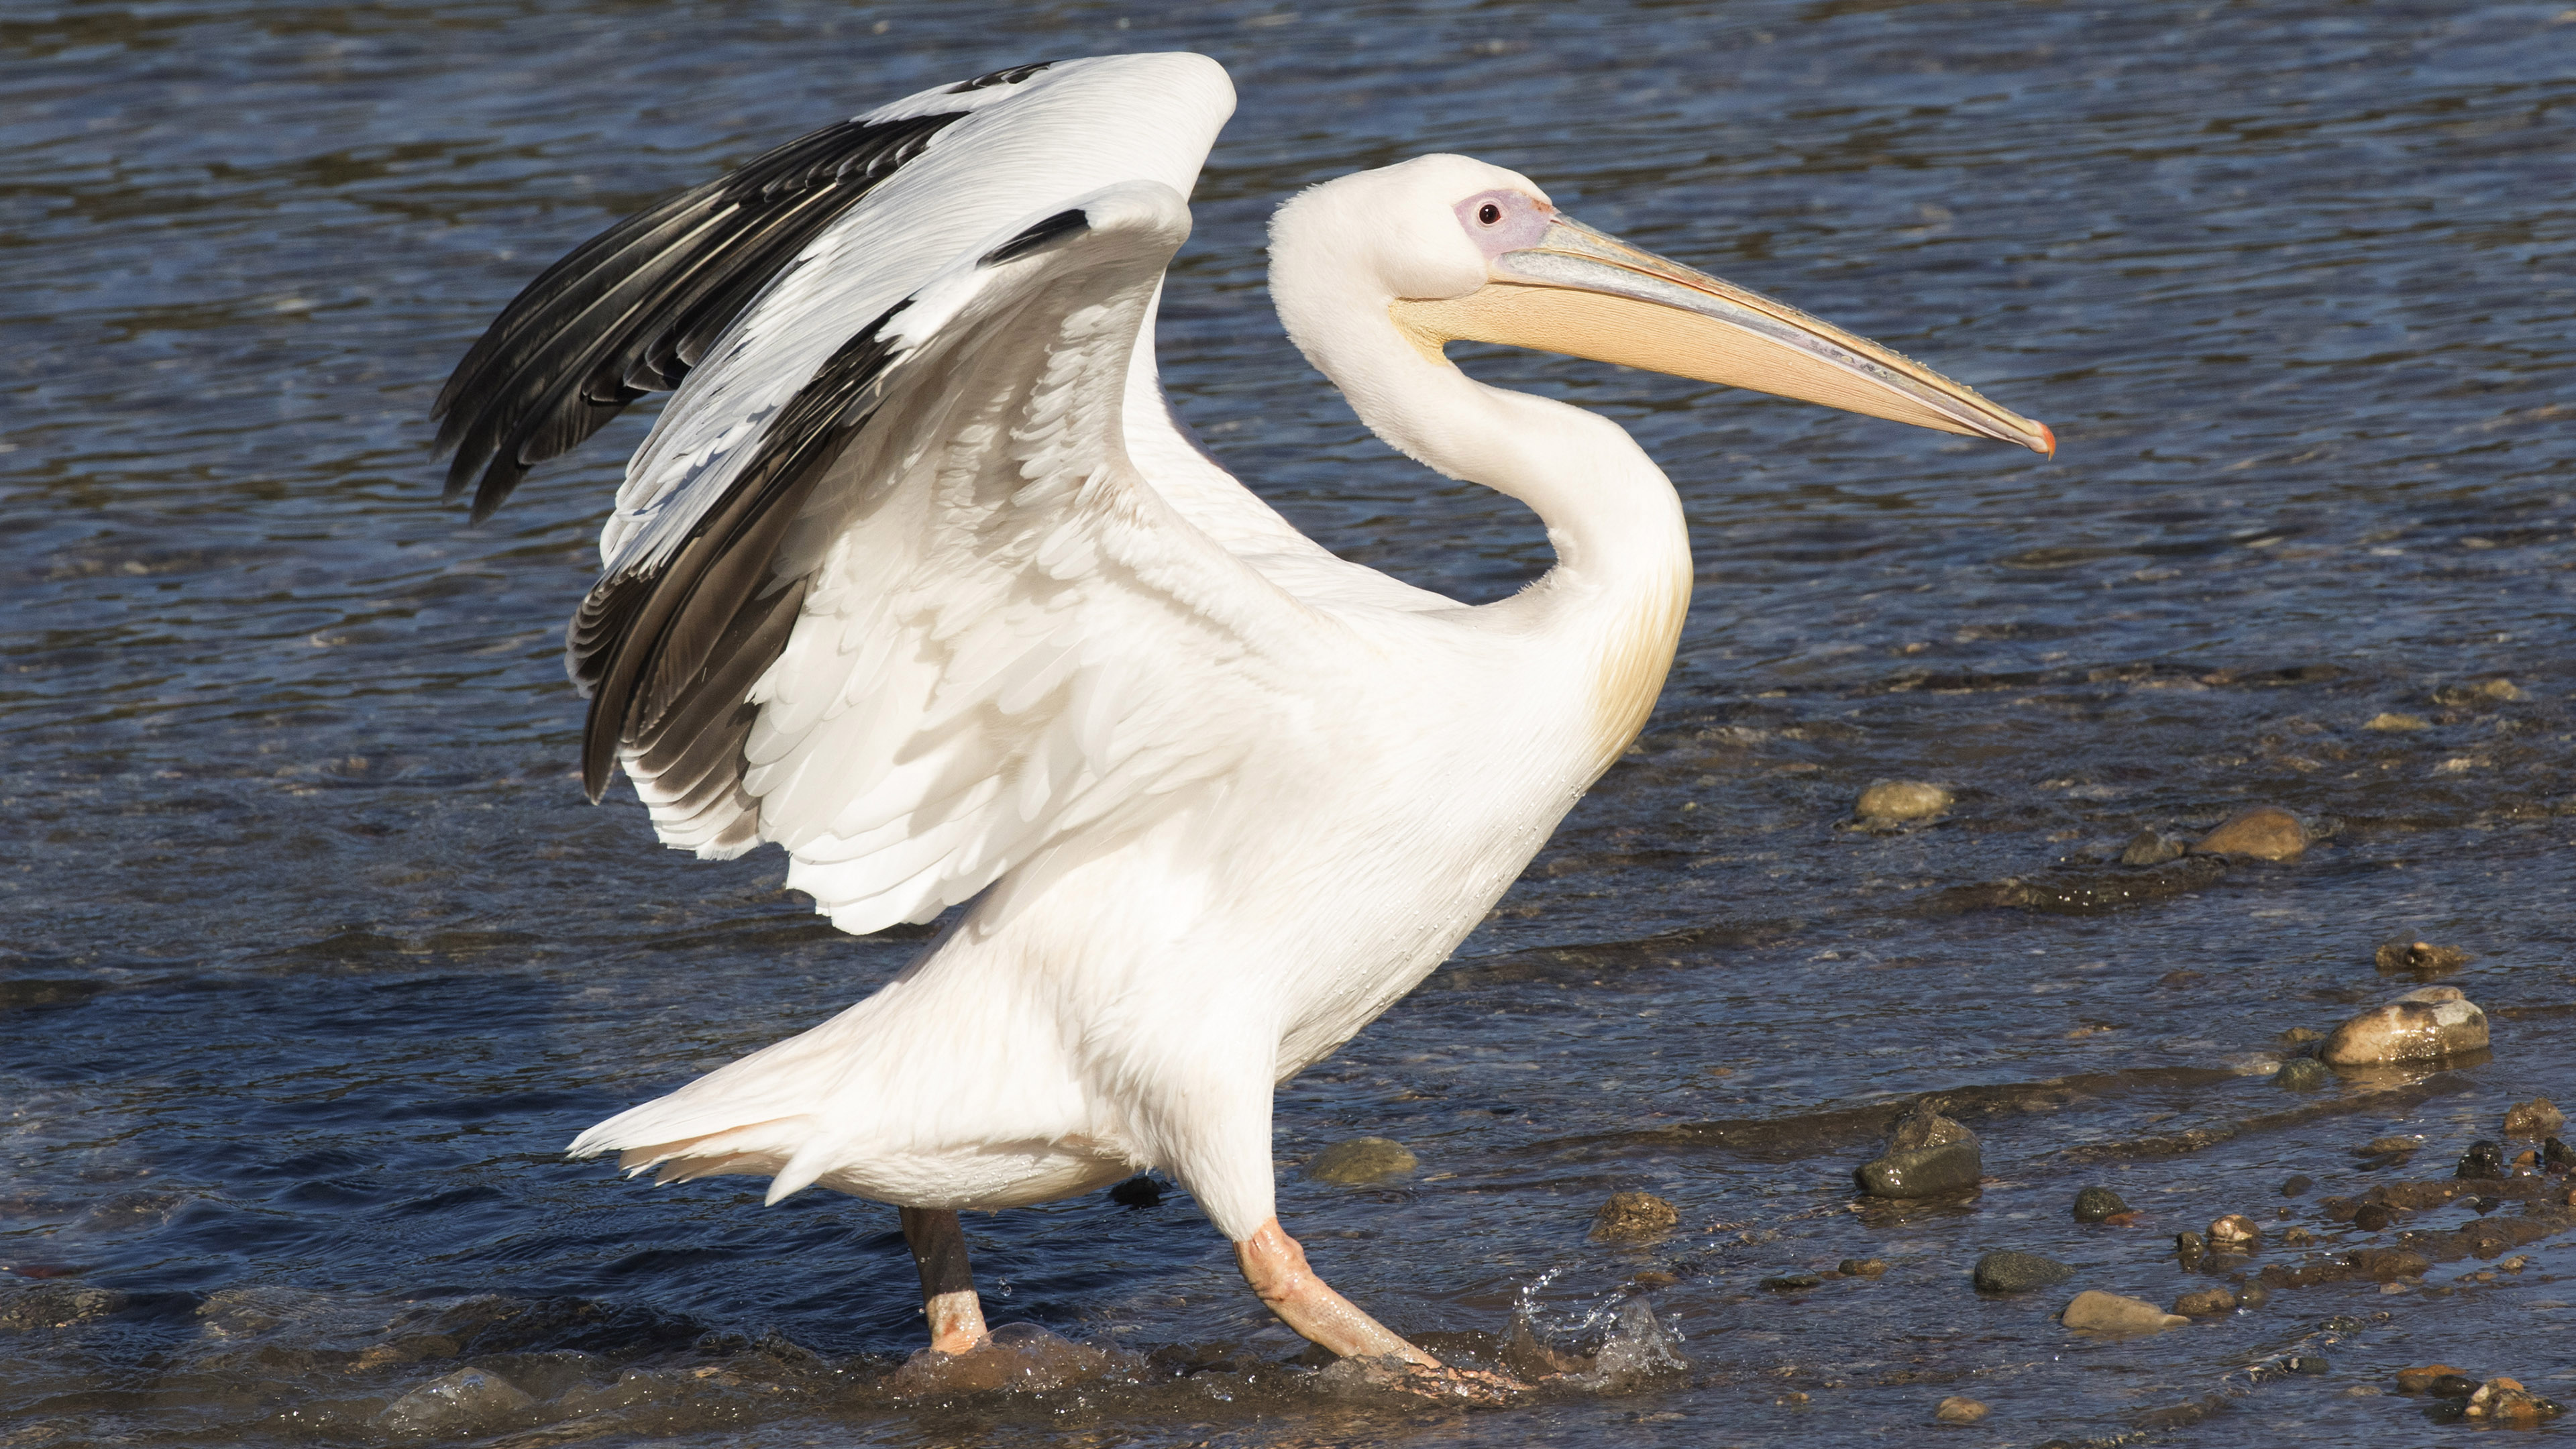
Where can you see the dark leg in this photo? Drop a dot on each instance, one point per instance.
(947, 1284)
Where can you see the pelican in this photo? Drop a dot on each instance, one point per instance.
(918, 578)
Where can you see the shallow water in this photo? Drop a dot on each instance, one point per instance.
(314, 957)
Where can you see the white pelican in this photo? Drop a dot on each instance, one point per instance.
(917, 577)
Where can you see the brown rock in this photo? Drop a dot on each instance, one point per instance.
(2098, 1312)
(2383, 1146)
(2207, 1303)
(1956, 1410)
(1361, 1160)
(2537, 1118)
(2265, 832)
(1634, 1217)
(1894, 801)
(2505, 1401)
(2426, 1024)
(2417, 1380)
(2389, 722)
(2483, 691)
(2388, 1264)
(2421, 958)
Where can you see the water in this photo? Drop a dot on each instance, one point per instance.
(315, 957)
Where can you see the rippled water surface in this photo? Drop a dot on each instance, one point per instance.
(314, 956)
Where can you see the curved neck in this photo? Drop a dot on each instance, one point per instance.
(1622, 580)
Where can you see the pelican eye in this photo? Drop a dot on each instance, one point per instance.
(1489, 213)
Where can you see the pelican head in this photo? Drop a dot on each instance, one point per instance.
(1458, 250)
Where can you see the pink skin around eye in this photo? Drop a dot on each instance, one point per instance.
(1520, 224)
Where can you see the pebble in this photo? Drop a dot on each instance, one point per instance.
(2100, 1312)
(1632, 1217)
(2536, 1118)
(1928, 1154)
(1862, 1267)
(2423, 1025)
(465, 1403)
(1893, 801)
(2206, 1303)
(2370, 1217)
(2295, 1236)
(2389, 722)
(2007, 1271)
(2484, 691)
(2189, 1249)
(1957, 1410)
(2383, 1146)
(2253, 1295)
(2234, 1233)
(2420, 957)
(2265, 832)
(2149, 847)
(1362, 1160)
(2297, 1184)
(2094, 1204)
(2302, 1074)
(2484, 1161)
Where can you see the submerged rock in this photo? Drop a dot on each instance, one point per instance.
(1926, 1156)
(1791, 1283)
(2296, 1184)
(2423, 1025)
(1019, 1356)
(470, 1402)
(2094, 1204)
(2149, 847)
(1958, 1410)
(1862, 1267)
(2390, 722)
(58, 1305)
(2264, 832)
(2389, 1146)
(2206, 1303)
(2098, 1312)
(2557, 1156)
(1362, 1160)
(2370, 1217)
(2302, 1074)
(2418, 958)
(1634, 1217)
(2537, 1118)
(1890, 802)
(2475, 692)
(2006, 1271)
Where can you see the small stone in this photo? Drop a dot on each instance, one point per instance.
(2506, 1401)
(1791, 1283)
(2451, 1386)
(2207, 1303)
(2420, 958)
(2386, 1146)
(2297, 1184)
(2006, 1271)
(2295, 1236)
(2189, 1249)
(2265, 832)
(2386, 1265)
(1956, 1410)
(1361, 1160)
(2423, 1025)
(2389, 722)
(2557, 1156)
(2234, 1233)
(2253, 1295)
(2536, 1118)
(1862, 1267)
(2483, 1162)
(2098, 1312)
(2149, 847)
(2483, 691)
(1894, 801)
(468, 1402)
(2299, 1036)
(2420, 1380)
(1634, 1217)
(2094, 1204)
(1927, 1155)
(2370, 1217)
(2302, 1074)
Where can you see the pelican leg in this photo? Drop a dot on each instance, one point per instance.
(947, 1284)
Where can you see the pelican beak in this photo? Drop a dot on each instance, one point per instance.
(1586, 294)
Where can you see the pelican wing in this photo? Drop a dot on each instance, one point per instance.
(885, 585)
